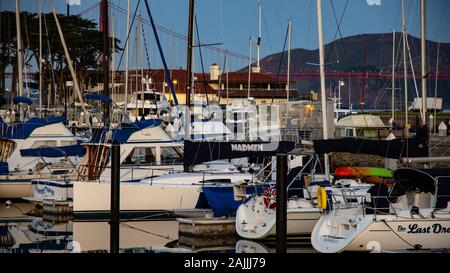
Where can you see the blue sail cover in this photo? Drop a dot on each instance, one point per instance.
(24, 130)
(199, 152)
(98, 97)
(24, 100)
(394, 149)
(122, 134)
(54, 152)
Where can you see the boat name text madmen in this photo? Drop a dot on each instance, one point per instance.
(415, 229)
(247, 147)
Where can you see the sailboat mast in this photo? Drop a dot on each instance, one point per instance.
(41, 74)
(424, 70)
(405, 65)
(393, 76)
(19, 49)
(288, 85)
(436, 87)
(250, 45)
(322, 83)
(127, 57)
(189, 86)
(258, 68)
(106, 54)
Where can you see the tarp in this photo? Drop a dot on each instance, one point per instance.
(199, 152)
(24, 130)
(24, 100)
(54, 152)
(122, 134)
(394, 149)
(98, 97)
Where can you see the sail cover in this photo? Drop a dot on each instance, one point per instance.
(54, 152)
(199, 152)
(394, 149)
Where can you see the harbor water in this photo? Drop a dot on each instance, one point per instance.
(22, 233)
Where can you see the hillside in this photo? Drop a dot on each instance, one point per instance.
(348, 54)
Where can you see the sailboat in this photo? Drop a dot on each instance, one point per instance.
(413, 214)
(32, 147)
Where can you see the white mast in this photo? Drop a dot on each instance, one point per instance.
(249, 66)
(19, 49)
(405, 65)
(424, 69)
(393, 76)
(127, 49)
(436, 87)
(288, 87)
(322, 83)
(41, 75)
(258, 67)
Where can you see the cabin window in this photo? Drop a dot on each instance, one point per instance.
(171, 154)
(140, 156)
(304, 135)
(349, 132)
(68, 143)
(216, 181)
(49, 143)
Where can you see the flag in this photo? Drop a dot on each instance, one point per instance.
(74, 2)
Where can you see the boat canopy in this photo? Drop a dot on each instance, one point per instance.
(54, 152)
(24, 100)
(435, 181)
(394, 149)
(202, 151)
(98, 97)
(123, 133)
(24, 130)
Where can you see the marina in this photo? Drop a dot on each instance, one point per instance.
(109, 144)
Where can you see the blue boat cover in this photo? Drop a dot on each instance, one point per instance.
(199, 152)
(98, 97)
(122, 134)
(4, 168)
(3, 230)
(24, 130)
(394, 149)
(54, 152)
(24, 100)
(435, 181)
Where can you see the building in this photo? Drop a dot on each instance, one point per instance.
(222, 88)
(363, 126)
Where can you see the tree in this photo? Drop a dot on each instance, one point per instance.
(84, 41)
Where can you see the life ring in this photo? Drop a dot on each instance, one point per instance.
(322, 198)
(270, 198)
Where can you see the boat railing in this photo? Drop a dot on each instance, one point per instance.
(349, 197)
(379, 210)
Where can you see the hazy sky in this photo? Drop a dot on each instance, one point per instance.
(231, 22)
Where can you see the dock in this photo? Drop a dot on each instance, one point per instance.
(206, 233)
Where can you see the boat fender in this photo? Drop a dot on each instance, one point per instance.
(270, 198)
(322, 198)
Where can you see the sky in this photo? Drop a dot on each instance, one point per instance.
(231, 22)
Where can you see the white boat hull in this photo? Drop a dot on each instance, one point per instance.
(92, 198)
(383, 233)
(51, 190)
(15, 189)
(254, 221)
